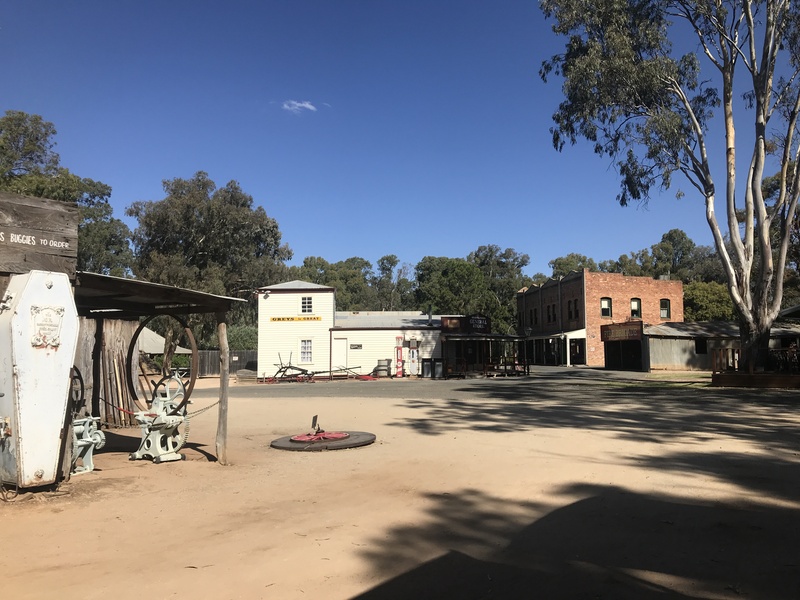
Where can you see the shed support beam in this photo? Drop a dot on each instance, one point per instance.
(224, 372)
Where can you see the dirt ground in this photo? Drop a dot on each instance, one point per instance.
(570, 483)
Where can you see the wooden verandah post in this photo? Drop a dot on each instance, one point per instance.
(224, 372)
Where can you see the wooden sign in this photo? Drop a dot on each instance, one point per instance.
(37, 234)
(620, 332)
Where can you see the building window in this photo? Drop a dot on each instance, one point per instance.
(555, 314)
(605, 307)
(665, 309)
(548, 313)
(636, 308)
(531, 320)
(305, 351)
(577, 311)
(305, 305)
(569, 309)
(535, 316)
(700, 346)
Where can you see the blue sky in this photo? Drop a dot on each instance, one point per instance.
(364, 128)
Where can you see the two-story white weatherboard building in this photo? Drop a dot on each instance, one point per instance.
(298, 324)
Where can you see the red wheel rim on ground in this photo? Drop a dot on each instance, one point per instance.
(321, 436)
(324, 440)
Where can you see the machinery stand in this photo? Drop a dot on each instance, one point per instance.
(161, 439)
(86, 438)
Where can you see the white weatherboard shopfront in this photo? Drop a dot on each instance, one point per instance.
(298, 323)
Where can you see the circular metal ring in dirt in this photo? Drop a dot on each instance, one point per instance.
(354, 439)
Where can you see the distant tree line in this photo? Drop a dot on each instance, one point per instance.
(219, 240)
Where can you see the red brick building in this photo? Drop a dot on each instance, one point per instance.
(561, 319)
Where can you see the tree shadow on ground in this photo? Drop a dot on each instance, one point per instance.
(767, 475)
(610, 544)
(638, 411)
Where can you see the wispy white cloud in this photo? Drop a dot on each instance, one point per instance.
(297, 106)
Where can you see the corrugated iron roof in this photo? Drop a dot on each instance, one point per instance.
(386, 320)
(713, 329)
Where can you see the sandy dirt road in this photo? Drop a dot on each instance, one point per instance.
(566, 484)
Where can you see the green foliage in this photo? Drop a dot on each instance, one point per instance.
(393, 288)
(357, 285)
(634, 264)
(633, 88)
(26, 145)
(350, 277)
(211, 240)
(707, 301)
(672, 256)
(450, 286)
(571, 262)
(179, 361)
(240, 337)
(29, 166)
(103, 245)
(503, 278)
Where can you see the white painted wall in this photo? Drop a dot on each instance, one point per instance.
(380, 344)
(282, 326)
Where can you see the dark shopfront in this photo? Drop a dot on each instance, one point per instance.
(469, 347)
(622, 343)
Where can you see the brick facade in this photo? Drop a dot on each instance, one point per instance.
(570, 308)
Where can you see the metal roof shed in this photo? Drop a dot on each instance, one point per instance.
(104, 297)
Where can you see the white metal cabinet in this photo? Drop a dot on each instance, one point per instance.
(38, 338)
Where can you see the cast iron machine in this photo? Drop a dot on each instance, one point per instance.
(161, 438)
(86, 438)
(86, 434)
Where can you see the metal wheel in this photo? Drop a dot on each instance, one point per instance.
(129, 361)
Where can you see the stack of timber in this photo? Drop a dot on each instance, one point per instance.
(101, 359)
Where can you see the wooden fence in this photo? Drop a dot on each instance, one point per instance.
(209, 361)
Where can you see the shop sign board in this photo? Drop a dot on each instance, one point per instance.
(37, 234)
(619, 332)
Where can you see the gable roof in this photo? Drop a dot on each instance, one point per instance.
(296, 286)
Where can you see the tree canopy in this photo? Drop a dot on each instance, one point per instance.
(26, 145)
(30, 166)
(209, 239)
(571, 262)
(633, 87)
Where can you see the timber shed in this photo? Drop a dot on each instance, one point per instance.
(111, 309)
(42, 234)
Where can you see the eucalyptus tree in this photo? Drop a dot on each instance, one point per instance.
(209, 239)
(633, 87)
(503, 278)
(573, 261)
(450, 286)
(29, 165)
(393, 288)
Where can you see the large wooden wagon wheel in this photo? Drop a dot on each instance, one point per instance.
(142, 404)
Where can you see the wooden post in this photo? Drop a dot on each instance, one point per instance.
(224, 359)
(97, 368)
